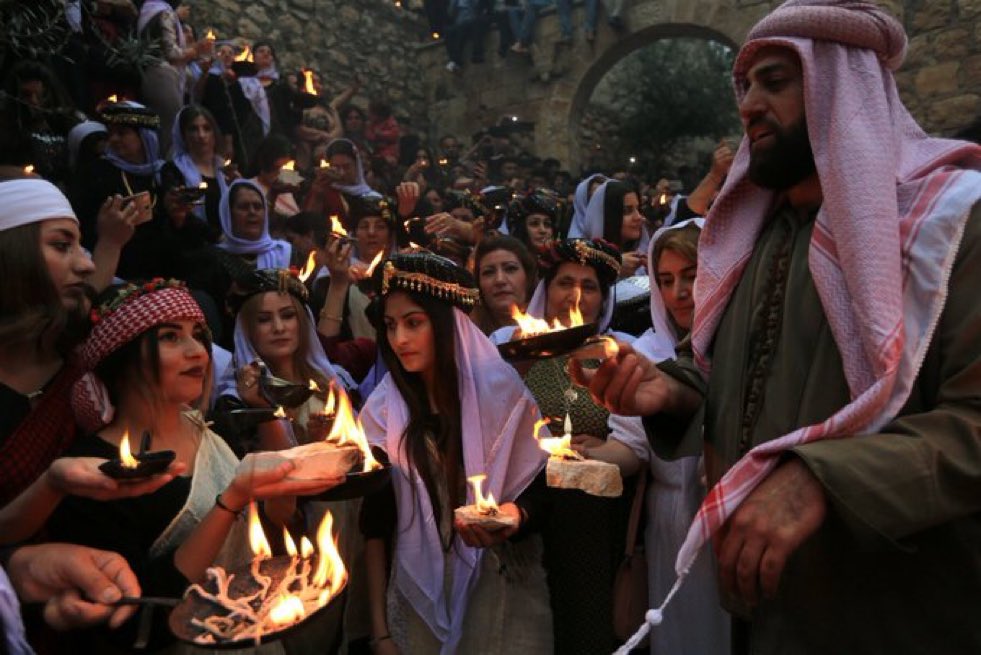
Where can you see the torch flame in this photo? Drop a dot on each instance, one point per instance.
(330, 573)
(287, 610)
(125, 454)
(245, 55)
(257, 538)
(290, 544)
(308, 82)
(347, 430)
(374, 262)
(484, 505)
(309, 268)
(336, 228)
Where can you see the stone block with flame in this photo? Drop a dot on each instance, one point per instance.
(567, 469)
(484, 512)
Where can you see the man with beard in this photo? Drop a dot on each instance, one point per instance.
(44, 308)
(834, 372)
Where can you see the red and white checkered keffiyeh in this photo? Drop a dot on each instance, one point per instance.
(894, 209)
(112, 330)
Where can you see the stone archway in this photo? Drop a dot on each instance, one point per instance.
(940, 81)
(464, 104)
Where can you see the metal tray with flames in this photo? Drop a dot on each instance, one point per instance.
(329, 618)
(550, 344)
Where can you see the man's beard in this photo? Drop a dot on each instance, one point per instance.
(786, 162)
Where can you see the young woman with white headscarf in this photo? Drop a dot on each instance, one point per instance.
(450, 408)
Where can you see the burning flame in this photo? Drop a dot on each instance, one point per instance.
(308, 82)
(245, 55)
(347, 430)
(435, 36)
(324, 163)
(113, 99)
(29, 169)
(374, 263)
(484, 505)
(330, 405)
(228, 162)
(444, 161)
(413, 244)
(289, 166)
(305, 274)
(280, 412)
(557, 447)
(306, 548)
(290, 544)
(203, 185)
(313, 385)
(330, 574)
(125, 454)
(664, 198)
(211, 36)
(530, 326)
(287, 610)
(257, 538)
(335, 226)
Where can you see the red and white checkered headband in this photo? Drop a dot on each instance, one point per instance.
(140, 310)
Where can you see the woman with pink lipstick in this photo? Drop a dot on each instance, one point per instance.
(450, 408)
(149, 352)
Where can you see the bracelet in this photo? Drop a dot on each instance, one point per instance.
(329, 317)
(219, 504)
(377, 640)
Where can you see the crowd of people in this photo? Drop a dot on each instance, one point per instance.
(798, 434)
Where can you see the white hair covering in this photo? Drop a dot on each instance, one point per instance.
(31, 200)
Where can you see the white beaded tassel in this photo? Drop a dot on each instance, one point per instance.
(651, 619)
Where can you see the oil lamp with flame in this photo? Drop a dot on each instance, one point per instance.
(484, 512)
(568, 469)
(557, 447)
(529, 326)
(347, 430)
(288, 174)
(308, 86)
(141, 465)
(29, 169)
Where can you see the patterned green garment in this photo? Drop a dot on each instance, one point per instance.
(584, 535)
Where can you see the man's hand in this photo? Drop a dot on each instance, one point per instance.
(77, 584)
(767, 528)
(722, 160)
(631, 385)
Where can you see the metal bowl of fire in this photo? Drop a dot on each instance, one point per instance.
(553, 343)
(271, 598)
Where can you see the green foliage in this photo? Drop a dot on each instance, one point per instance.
(679, 89)
(32, 29)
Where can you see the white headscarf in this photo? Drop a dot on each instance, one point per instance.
(497, 416)
(360, 187)
(78, 133)
(589, 223)
(581, 200)
(31, 200)
(272, 253)
(664, 338)
(182, 159)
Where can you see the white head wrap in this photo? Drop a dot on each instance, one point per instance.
(31, 200)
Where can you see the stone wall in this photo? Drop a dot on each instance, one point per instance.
(375, 39)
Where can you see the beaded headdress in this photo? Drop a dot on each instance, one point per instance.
(597, 253)
(264, 280)
(433, 275)
(130, 114)
(539, 201)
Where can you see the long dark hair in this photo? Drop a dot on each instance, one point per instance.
(192, 112)
(613, 214)
(446, 425)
